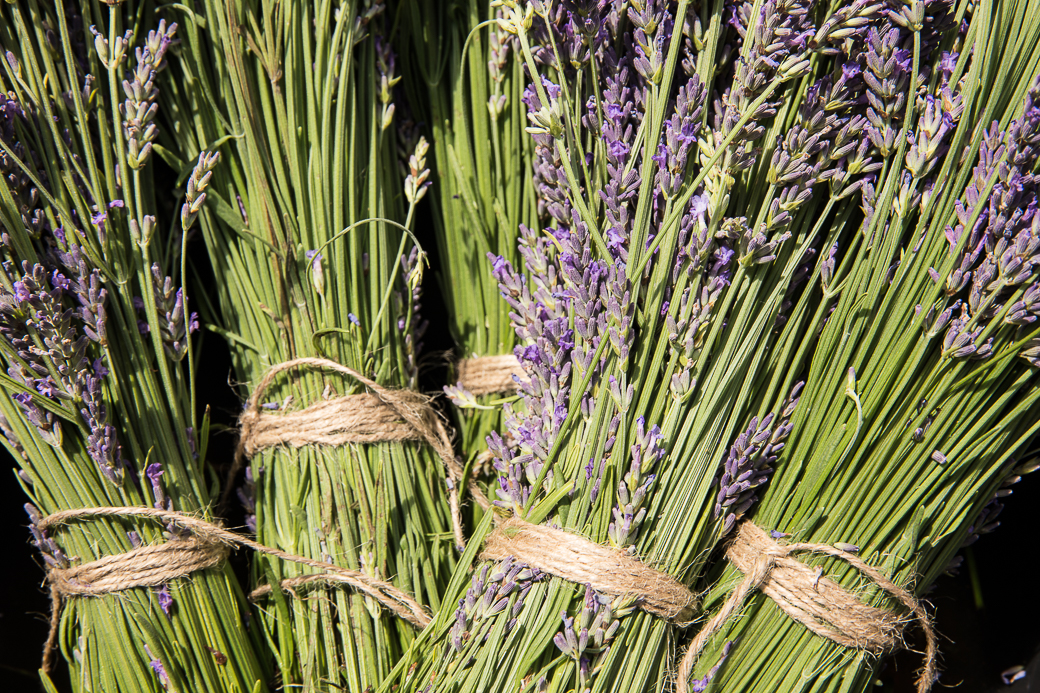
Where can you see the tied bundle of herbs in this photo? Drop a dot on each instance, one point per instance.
(98, 396)
(465, 74)
(685, 188)
(287, 113)
(920, 405)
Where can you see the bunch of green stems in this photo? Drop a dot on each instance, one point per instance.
(307, 225)
(900, 443)
(465, 81)
(98, 401)
(708, 360)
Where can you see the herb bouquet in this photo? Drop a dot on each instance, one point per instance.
(98, 404)
(466, 74)
(922, 396)
(286, 122)
(659, 332)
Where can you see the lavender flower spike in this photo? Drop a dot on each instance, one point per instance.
(417, 181)
(195, 195)
(140, 107)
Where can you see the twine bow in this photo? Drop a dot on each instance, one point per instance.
(821, 605)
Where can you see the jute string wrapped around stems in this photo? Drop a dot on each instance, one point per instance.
(385, 415)
(208, 544)
(821, 605)
(484, 375)
(607, 570)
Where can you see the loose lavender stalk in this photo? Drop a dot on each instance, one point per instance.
(97, 401)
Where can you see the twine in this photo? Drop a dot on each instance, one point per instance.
(150, 566)
(484, 375)
(386, 415)
(821, 605)
(607, 570)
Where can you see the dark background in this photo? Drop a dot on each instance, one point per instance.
(987, 624)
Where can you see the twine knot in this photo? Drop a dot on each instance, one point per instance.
(821, 605)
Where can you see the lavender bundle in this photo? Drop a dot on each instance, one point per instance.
(664, 314)
(465, 78)
(98, 393)
(921, 402)
(288, 123)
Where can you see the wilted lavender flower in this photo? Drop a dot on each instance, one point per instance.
(111, 56)
(700, 685)
(317, 271)
(416, 183)
(747, 464)
(154, 472)
(198, 181)
(409, 307)
(385, 60)
(140, 107)
(247, 496)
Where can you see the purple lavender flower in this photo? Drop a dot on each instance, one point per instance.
(886, 76)
(158, 668)
(52, 554)
(747, 466)
(632, 489)
(165, 600)
(489, 595)
(587, 637)
(174, 325)
(700, 685)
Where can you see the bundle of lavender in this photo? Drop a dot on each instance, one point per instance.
(465, 75)
(286, 120)
(921, 402)
(98, 396)
(656, 319)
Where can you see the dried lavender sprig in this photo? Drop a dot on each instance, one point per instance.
(140, 107)
(198, 181)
